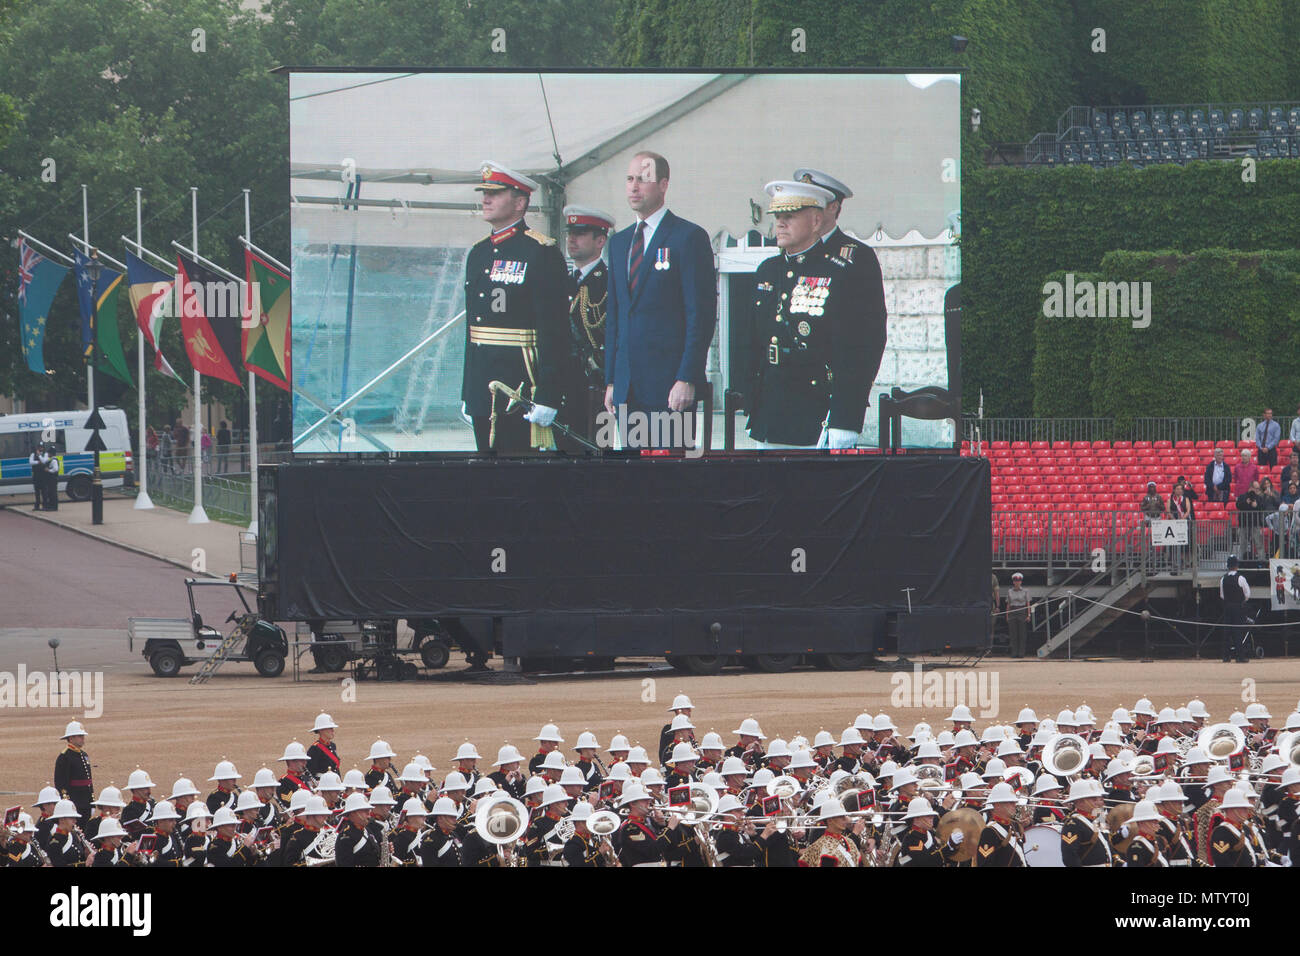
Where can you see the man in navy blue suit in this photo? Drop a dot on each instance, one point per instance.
(663, 304)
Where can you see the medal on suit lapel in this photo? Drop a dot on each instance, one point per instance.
(661, 258)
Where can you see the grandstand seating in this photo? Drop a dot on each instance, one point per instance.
(1098, 486)
(1143, 136)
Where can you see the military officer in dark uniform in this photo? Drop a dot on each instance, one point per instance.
(810, 358)
(1144, 848)
(381, 772)
(862, 260)
(72, 769)
(583, 849)
(586, 233)
(919, 846)
(641, 841)
(515, 304)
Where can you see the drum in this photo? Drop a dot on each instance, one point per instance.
(1043, 846)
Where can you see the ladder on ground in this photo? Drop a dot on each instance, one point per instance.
(219, 656)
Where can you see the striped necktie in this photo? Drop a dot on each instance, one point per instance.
(638, 250)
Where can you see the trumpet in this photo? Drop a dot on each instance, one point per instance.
(702, 806)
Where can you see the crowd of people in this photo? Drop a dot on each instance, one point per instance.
(169, 447)
(1146, 788)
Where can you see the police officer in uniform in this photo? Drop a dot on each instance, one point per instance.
(811, 373)
(516, 303)
(1235, 592)
(72, 769)
(587, 231)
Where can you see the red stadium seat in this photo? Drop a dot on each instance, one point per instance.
(1040, 445)
(1018, 445)
(1162, 443)
(1081, 445)
(1245, 443)
(1140, 445)
(1101, 444)
(1225, 444)
(999, 444)
(1122, 445)
(1183, 444)
(1205, 443)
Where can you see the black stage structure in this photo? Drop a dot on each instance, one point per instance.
(828, 557)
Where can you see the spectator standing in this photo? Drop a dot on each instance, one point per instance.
(1267, 434)
(165, 449)
(205, 447)
(1295, 428)
(1017, 614)
(1189, 493)
(1268, 498)
(1244, 475)
(223, 446)
(1235, 592)
(1180, 508)
(1218, 478)
(1248, 520)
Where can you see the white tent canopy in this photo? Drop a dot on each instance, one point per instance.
(422, 137)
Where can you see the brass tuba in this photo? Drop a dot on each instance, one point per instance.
(501, 820)
(1221, 741)
(1065, 755)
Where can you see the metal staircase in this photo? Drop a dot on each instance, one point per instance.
(228, 643)
(1093, 619)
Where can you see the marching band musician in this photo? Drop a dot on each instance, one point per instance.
(67, 845)
(836, 845)
(711, 753)
(306, 834)
(198, 836)
(168, 849)
(264, 788)
(72, 777)
(507, 776)
(412, 782)
(823, 751)
(749, 743)
(735, 836)
(1001, 840)
(140, 786)
(355, 845)
(583, 848)
(1143, 848)
(295, 777)
(554, 804)
(1218, 782)
(548, 742)
(44, 806)
(466, 761)
(108, 805)
(593, 772)
(410, 832)
(1228, 843)
(383, 821)
(643, 840)
(109, 840)
(919, 846)
(227, 792)
(682, 759)
(227, 847)
(668, 734)
(21, 849)
(381, 767)
(1172, 835)
(1047, 793)
(444, 844)
(323, 755)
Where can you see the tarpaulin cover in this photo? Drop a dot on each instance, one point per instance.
(356, 540)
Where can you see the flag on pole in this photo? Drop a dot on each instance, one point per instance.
(266, 344)
(149, 290)
(111, 360)
(210, 320)
(38, 281)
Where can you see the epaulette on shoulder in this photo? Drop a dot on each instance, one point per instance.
(541, 237)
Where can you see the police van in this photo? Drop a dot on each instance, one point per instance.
(19, 434)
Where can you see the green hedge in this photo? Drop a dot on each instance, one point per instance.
(1021, 227)
(1223, 335)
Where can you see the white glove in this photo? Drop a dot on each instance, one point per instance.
(542, 415)
(1123, 831)
(956, 838)
(841, 438)
(464, 413)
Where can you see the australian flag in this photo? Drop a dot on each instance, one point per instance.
(38, 281)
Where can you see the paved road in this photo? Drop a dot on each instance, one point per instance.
(56, 583)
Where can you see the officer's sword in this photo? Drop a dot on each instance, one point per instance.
(517, 399)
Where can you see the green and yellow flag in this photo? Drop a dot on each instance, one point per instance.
(266, 343)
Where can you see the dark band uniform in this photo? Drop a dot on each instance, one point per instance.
(72, 778)
(1143, 852)
(321, 758)
(1082, 843)
(999, 845)
(1229, 846)
(528, 341)
(441, 849)
(355, 846)
(583, 851)
(640, 841)
(922, 848)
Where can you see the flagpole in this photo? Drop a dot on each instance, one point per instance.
(198, 515)
(85, 237)
(252, 394)
(142, 500)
